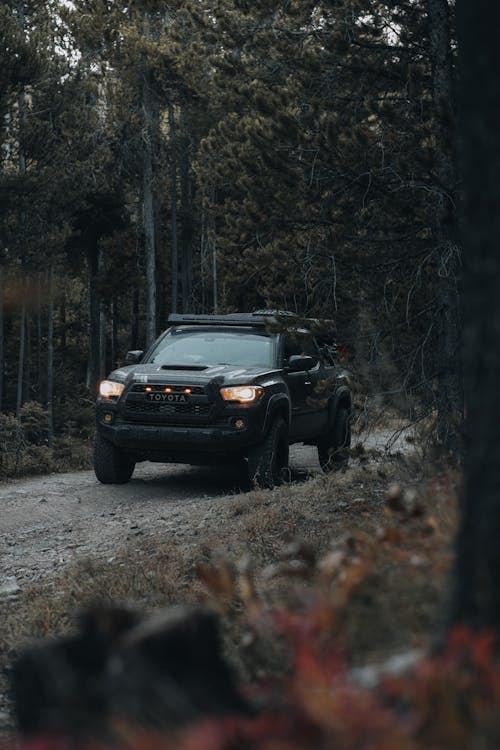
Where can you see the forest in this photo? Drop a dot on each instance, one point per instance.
(163, 157)
(337, 159)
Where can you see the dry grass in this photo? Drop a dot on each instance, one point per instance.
(398, 604)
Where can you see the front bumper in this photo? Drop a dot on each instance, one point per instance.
(180, 443)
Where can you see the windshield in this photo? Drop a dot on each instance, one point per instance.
(214, 347)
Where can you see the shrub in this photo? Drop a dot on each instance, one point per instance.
(24, 448)
(34, 423)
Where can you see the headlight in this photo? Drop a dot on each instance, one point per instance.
(245, 394)
(111, 389)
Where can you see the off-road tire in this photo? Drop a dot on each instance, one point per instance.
(268, 461)
(333, 448)
(111, 465)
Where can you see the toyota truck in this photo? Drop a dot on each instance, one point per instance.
(225, 389)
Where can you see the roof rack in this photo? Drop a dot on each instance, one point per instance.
(324, 330)
(257, 318)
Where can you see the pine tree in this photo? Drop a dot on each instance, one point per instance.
(320, 174)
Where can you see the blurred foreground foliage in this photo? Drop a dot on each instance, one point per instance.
(449, 701)
(446, 700)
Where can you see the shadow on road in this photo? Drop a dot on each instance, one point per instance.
(196, 481)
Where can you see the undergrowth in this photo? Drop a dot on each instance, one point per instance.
(300, 614)
(446, 701)
(25, 449)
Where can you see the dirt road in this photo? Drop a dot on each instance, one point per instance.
(50, 521)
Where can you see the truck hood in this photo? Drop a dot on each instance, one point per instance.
(199, 374)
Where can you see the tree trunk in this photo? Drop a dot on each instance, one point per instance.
(62, 316)
(102, 339)
(204, 261)
(214, 276)
(20, 365)
(2, 365)
(173, 211)
(134, 327)
(50, 355)
(149, 242)
(450, 384)
(114, 333)
(39, 366)
(94, 318)
(477, 594)
(186, 219)
(21, 101)
(27, 357)
(148, 113)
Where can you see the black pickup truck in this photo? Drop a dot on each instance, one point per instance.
(226, 388)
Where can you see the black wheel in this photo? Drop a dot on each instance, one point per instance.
(333, 449)
(111, 465)
(268, 461)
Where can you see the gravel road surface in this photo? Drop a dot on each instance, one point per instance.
(50, 521)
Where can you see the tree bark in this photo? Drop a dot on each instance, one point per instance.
(477, 594)
(204, 261)
(148, 113)
(215, 278)
(21, 100)
(62, 316)
(186, 218)
(173, 210)
(28, 355)
(50, 355)
(20, 365)
(102, 340)
(113, 354)
(94, 317)
(134, 327)
(39, 365)
(450, 380)
(2, 356)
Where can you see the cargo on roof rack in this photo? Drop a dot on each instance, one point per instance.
(258, 318)
(323, 330)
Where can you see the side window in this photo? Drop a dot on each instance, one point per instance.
(299, 342)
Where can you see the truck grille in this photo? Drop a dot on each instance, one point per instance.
(197, 407)
(142, 407)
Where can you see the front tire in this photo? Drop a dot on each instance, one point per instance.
(268, 461)
(111, 465)
(333, 449)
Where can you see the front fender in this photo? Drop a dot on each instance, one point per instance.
(279, 403)
(341, 397)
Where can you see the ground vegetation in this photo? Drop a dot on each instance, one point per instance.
(355, 565)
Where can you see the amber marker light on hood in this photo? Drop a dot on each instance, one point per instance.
(111, 389)
(245, 394)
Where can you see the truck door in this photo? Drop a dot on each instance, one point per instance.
(308, 412)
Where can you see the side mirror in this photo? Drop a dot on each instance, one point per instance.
(301, 363)
(133, 357)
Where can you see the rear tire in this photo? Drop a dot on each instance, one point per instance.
(111, 465)
(268, 461)
(333, 449)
